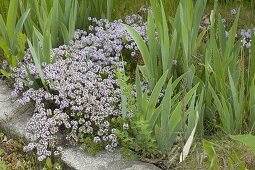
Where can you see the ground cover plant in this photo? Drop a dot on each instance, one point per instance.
(92, 96)
(12, 156)
(158, 82)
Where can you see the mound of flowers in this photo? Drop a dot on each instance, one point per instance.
(82, 98)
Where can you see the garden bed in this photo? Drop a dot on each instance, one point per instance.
(97, 91)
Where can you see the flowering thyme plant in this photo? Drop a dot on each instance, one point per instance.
(83, 96)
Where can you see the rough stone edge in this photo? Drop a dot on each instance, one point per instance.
(73, 157)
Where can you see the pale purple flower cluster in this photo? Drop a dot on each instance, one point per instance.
(233, 11)
(246, 36)
(4, 65)
(83, 94)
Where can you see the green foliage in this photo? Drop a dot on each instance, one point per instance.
(248, 140)
(251, 85)
(61, 14)
(3, 166)
(148, 69)
(213, 160)
(225, 70)
(13, 157)
(69, 16)
(133, 140)
(40, 54)
(223, 156)
(251, 105)
(137, 133)
(93, 8)
(1, 136)
(225, 77)
(158, 54)
(234, 1)
(4, 7)
(164, 114)
(90, 146)
(1, 152)
(231, 114)
(157, 57)
(53, 164)
(187, 23)
(123, 8)
(52, 23)
(157, 120)
(12, 41)
(127, 100)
